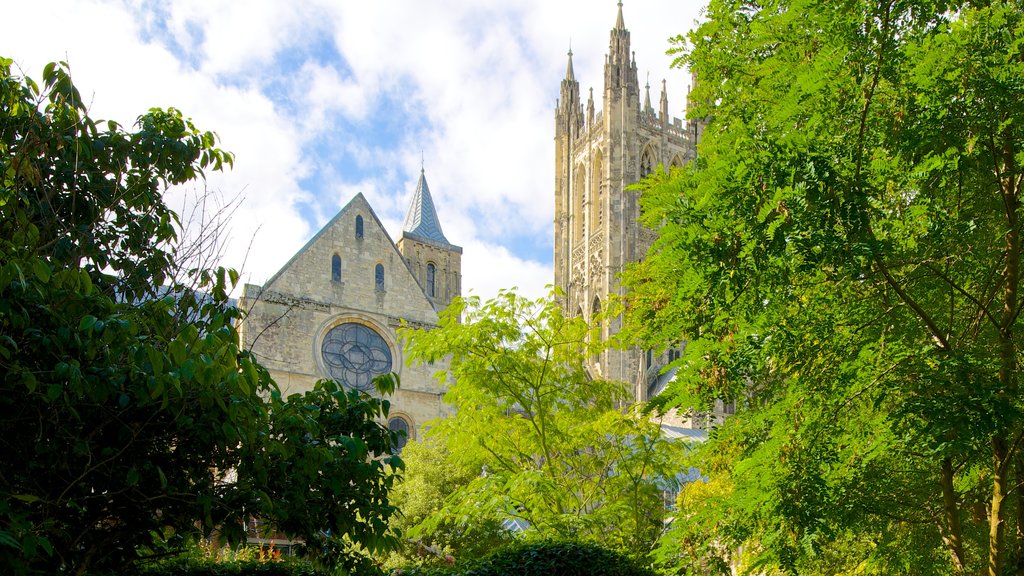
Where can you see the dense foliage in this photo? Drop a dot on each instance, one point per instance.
(844, 259)
(129, 416)
(548, 447)
(543, 558)
(432, 475)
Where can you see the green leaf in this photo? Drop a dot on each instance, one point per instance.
(86, 323)
(41, 270)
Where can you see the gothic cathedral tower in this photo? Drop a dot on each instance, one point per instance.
(598, 154)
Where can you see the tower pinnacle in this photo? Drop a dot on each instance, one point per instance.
(569, 75)
(647, 95)
(619, 23)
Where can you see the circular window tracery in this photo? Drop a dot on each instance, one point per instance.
(355, 354)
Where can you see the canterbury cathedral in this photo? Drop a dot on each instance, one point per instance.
(332, 311)
(598, 153)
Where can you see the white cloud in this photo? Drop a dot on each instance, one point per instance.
(472, 85)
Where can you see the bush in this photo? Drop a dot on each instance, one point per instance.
(212, 567)
(545, 558)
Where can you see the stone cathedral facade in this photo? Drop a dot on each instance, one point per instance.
(598, 153)
(332, 311)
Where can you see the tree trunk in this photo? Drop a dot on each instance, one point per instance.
(953, 536)
(996, 524)
(1006, 173)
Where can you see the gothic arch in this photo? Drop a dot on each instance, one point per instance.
(431, 279)
(577, 203)
(677, 162)
(596, 192)
(648, 161)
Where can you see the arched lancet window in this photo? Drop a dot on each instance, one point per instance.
(359, 227)
(676, 162)
(378, 274)
(431, 275)
(596, 197)
(400, 426)
(336, 268)
(647, 162)
(577, 202)
(595, 310)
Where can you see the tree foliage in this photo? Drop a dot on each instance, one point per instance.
(126, 404)
(431, 476)
(548, 445)
(844, 259)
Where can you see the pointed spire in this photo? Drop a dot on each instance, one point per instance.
(664, 100)
(647, 95)
(421, 221)
(619, 23)
(569, 75)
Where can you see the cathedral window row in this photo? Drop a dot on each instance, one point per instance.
(378, 273)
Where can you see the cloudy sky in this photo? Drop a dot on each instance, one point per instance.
(322, 99)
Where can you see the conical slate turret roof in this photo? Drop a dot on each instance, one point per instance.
(421, 221)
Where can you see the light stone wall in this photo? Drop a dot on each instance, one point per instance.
(288, 317)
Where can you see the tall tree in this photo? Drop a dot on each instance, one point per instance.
(126, 403)
(549, 445)
(844, 259)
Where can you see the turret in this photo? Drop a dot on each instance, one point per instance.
(648, 109)
(569, 112)
(665, 119)
(620, 69)
(434, 261)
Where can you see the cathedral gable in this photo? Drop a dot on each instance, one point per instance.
(352, 263)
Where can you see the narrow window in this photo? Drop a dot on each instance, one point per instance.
(336, 268)
(359, 227)
(431, 273)
(379, 276)
(646, 162)
(400, 426)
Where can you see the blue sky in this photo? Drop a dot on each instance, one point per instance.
(320, 100)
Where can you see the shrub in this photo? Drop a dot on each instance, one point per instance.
(543, 558)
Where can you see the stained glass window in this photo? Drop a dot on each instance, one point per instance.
(431, 274)
(379, 277)
(359, 227)
(355, 354)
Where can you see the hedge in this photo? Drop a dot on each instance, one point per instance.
(544, 558)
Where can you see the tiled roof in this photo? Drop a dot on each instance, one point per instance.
(421, 221)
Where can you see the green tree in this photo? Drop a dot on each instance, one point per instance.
(126, 404)
(549, 445)
(432, 476)
(844, 259)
